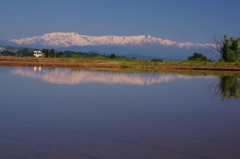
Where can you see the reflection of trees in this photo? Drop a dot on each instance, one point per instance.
(228, 87)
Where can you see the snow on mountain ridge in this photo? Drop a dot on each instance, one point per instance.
(61, 39)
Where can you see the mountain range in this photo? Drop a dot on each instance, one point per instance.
(143, 45)
(60, 39)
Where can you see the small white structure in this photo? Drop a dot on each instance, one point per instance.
(37, 53)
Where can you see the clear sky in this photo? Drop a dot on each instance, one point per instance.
(180, 20)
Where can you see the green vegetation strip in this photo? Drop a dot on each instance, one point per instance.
(94, 63)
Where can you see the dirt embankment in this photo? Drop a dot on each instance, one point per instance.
(111, 64)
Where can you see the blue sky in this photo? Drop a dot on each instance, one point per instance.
(180, 20)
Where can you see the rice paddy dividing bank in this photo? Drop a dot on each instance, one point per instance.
(108, 64)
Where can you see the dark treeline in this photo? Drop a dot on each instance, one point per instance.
(20, 52)
(197, 57)
(51, 53)
(78, 54)
(48, 53)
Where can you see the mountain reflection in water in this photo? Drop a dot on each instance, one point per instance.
(67, 76)
(226, 87)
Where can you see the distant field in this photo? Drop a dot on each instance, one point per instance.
(111, 64)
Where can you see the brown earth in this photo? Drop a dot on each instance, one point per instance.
(113, 65)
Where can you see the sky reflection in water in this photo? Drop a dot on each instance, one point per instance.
(62, 114)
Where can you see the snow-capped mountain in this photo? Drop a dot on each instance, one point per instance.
(59, 39)
(129, 46)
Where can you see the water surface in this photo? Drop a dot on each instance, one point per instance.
(63, 114)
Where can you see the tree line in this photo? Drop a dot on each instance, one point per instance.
(20, 52)
(48, 53)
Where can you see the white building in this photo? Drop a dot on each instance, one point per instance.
(37, 53)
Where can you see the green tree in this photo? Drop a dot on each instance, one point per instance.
(112, 56)
(156, 60)
(61, 54)
(51, 53)
(228, 48)
(7, 53)
(197, 57)
(46, 52)
(24, 52)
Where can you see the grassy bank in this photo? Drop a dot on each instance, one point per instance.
(107, 64)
